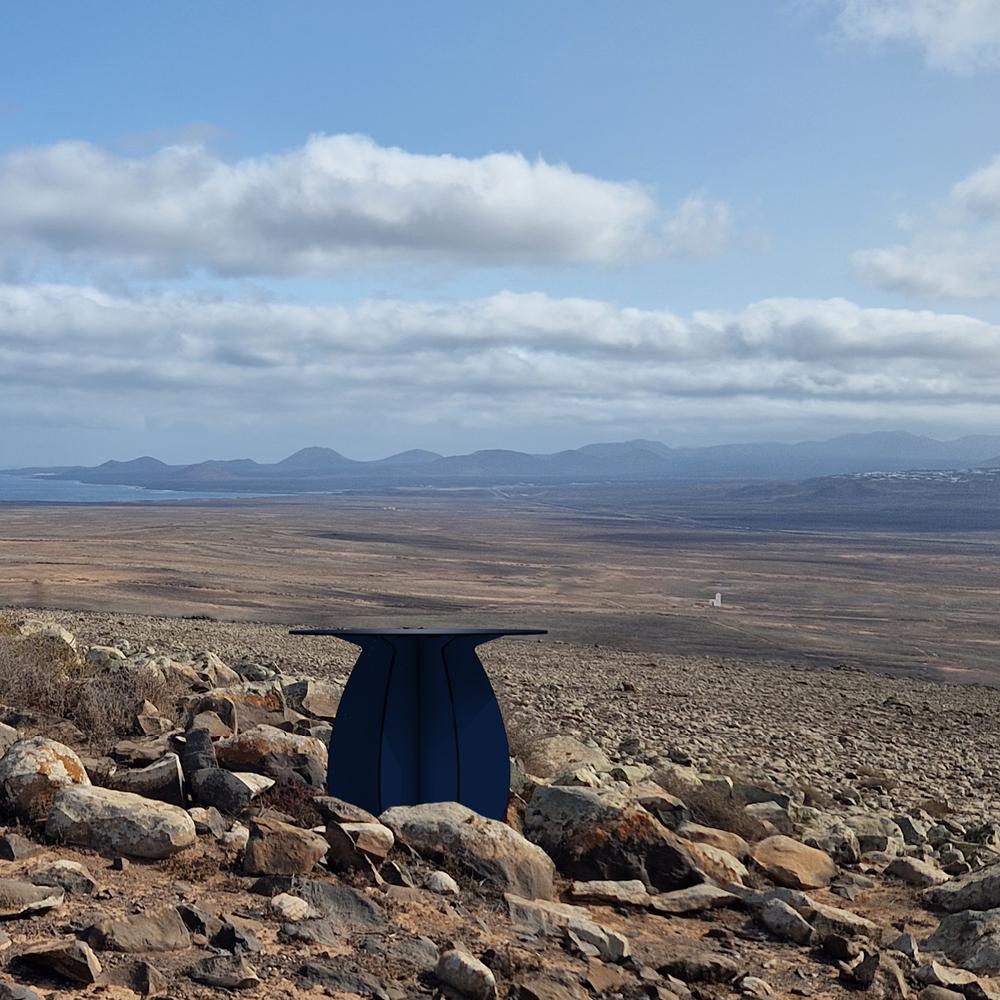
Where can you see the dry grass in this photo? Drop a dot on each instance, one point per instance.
(46, 678)
(713, 808)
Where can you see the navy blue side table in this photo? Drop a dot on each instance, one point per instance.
(418, 721)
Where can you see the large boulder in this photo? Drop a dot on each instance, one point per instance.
(554, 755)
(119, 822)
(275, 753)
(33, 770)
(456, 837)
(595, 833)
(792, 864)
(979, 890)
(970, 938)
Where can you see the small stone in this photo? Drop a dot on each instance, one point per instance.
(73, 960)
(784, 922)
(466, 975)
(291, 908)
(14, 847)
(72, 876)
(374, 839)
(442, 883)
(228, 972)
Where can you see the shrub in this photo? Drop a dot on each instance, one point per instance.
(295, 799)
(45, 677)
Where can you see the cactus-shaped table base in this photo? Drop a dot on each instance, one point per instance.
(418, 721)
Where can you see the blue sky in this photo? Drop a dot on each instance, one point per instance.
(754, 219)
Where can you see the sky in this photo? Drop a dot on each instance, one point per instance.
(236, 229)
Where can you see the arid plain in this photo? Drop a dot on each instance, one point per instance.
(637, 577)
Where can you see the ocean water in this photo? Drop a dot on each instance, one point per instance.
(29, 489)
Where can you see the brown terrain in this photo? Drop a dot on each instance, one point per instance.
(922, 603)
(793, 795)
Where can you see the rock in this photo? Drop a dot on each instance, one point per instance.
(718, 864)
(227, 972)
(139, 977)
(667, 808)
(25, 899)
(833, 836)
(319, 699)
(343, 912)
(970, 938)
(630, 892)
(257, 783)
(212, 723)
(915, 872)
(784, 922)
(15, 991)
(442, 883)
(277, 848)
(879, 975)
(547, 757)
(33, 770)
(220, 788)
(936, 974)
(119, 822)
(237, 937)
(162, 780)
(163, 930)
(703, 967)
(599, 834)
(342, 978)
(538, 916)
(292, 908)
(914, 828)
(771, 816)
(104, 657)
(876, 833)
(906, 944)
(14, 847)
(198, 752)
(826, 920)
(46, 630)
(940, 993)
(731, 843)
(374, 839)
(277, 754)
(979, 890)
(792, 864)
(72, 960)
(334, 810)
(8, 737)
(255, 703)
(693, 899)
(139, 753)
(71, 876)
(487, 849)
(466, 975)
(208, 821)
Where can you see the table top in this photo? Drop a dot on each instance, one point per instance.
(417, 631)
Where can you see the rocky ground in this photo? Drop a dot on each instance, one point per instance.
(678, 827)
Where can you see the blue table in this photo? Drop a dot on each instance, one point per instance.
(418, 721)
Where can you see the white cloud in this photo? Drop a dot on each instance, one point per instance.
(337, 202)
(953, 253)
(524, 360)
(959, 35)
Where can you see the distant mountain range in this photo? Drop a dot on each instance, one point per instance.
(317, 469)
